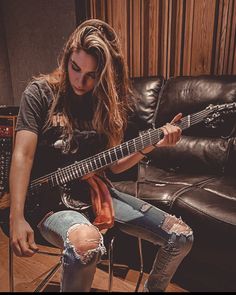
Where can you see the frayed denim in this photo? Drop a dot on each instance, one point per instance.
(133, 216)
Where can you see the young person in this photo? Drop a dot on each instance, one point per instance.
(79, 110)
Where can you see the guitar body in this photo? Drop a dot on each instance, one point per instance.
(74, 195)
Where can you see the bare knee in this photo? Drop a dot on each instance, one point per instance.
(84, 237)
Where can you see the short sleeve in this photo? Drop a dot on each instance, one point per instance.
(33, 109)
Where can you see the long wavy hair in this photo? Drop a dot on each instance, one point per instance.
(112, 89)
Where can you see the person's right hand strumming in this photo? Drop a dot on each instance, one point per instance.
(22, 238)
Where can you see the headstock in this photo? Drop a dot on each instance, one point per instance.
(215, 114)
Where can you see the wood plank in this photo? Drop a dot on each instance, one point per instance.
(120, 23)
(218, 48)
(230, 38)
(136, 36)
(164, 38)
(188, 37)
(178, 42)
(153, 38)
(173, 37)
(232, 49)
(202, 37)
(28, 273)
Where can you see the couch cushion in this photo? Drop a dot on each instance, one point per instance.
(197, 155)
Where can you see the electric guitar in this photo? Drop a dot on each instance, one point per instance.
(57, 182)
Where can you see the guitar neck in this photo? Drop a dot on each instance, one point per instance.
(107, 157)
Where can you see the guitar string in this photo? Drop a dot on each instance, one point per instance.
(62, 174)
(72, 169)
(145, 140)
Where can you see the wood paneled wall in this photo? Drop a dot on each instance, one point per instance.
(173, 37)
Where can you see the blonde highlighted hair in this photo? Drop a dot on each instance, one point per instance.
(112, 90)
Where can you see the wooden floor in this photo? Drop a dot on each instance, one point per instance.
(28, 272)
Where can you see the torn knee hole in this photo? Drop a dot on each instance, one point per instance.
(172, 224)
(84, 237)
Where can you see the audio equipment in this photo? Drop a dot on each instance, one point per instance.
(8, 116)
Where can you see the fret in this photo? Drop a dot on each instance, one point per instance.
(119, 152)
(115, 154)
(77, 169)
(83, 169)
(99, 158)
(132, 148)
(70, 176)
(65, 175)
(91, 165)
(105, 159)
(95, 163)
(125, 149)
(151, 136)
(138, 143)
(87, 167)
(59, 176)
(109, 153)
(157, 136)
(75, 172)
(57, 179)
(62, 176)
(142, 142)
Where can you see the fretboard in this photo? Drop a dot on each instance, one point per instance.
(78, 169)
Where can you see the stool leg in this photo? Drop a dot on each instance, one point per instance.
(110, 256)
(141, 264)
(11, 269)
(51, 273)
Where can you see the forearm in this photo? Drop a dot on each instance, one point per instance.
(18, 183)
(128, 162)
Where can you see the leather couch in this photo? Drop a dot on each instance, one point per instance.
(196, 179)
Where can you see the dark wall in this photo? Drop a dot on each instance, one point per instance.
(6, 94)
(32, 34)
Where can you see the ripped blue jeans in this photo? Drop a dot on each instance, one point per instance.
(133, 216)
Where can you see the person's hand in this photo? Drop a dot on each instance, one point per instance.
(22, 238)
(171, 132)
(88, 176)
